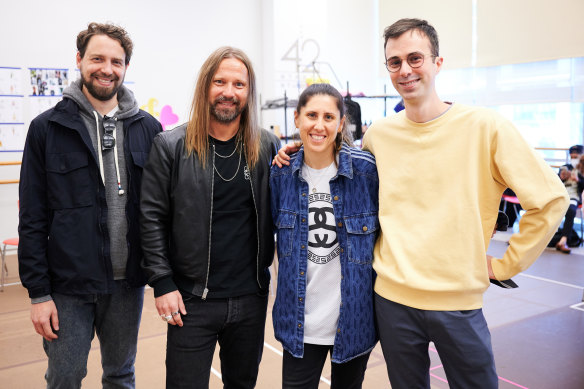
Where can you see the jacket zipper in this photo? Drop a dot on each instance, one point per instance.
(101, 183)
(205, 291)
(128, 181)
(257, 224)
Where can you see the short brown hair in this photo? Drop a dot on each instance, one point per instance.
(111, 30)
(402, 26)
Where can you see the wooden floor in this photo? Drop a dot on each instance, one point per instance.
(537, 331)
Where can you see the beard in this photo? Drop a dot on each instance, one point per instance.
(99, 92)
(226, 115)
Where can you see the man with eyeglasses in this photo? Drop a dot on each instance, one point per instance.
(79, 254)
(442, 170)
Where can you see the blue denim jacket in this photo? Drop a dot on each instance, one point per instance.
(354, 191)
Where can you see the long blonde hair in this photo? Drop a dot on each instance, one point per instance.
(197, 130)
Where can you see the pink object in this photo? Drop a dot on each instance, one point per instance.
(167, 117)
(511, 199)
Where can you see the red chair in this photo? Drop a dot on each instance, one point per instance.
(13, 245)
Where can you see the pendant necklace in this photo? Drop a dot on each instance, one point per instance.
(311, 180)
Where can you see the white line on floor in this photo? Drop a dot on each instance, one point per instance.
(215, 372)
(273, 349)
(552, 281)
(14, 283)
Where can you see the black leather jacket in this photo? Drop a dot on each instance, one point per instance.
(176, 209)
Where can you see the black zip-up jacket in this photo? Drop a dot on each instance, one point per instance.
(176, 209)
(64, 244)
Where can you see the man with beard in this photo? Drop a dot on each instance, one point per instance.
(79, 254)
(207, 228)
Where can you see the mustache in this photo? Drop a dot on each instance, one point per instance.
(227, 99)
(111, 77)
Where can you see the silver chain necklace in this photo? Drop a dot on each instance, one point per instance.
(311, 180)
(227, 156)
(215, 167)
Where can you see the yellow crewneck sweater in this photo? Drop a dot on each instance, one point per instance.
(440, 184)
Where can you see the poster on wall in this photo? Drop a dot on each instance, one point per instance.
(10, 81)
(12, 137)
(48, 81)
(40, 105)
(11, 110)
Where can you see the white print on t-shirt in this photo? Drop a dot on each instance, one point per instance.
(322, 237)
(323, 280)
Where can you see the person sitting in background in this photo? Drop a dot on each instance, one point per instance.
(575, 152)
(580, 168)
(574, 182)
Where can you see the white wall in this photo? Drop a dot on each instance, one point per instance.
(173, 38)
(171, 41)
(345, 33)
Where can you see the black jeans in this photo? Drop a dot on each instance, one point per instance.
(237, 323)
(569, 218)
(304, 373)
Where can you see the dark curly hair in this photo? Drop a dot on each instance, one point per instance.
(111, 30)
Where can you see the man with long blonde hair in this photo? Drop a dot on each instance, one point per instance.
(207, 228)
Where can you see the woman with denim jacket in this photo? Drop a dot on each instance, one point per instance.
(324, 207)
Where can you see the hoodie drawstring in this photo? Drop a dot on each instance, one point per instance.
(99, 152)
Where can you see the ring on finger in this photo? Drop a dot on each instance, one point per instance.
(174, 313)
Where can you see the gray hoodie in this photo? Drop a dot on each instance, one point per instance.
(116, 195)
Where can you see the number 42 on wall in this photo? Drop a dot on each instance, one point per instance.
(308, 49)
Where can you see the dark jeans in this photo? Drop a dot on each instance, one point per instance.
(462, 339)
(304, 373)
(237, 323)
(569, 218)
(115, 318)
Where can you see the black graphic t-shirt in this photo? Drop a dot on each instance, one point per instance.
(323, 282)
(234, 232)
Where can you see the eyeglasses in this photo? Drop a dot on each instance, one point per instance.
(109, 126)
(415, 60)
